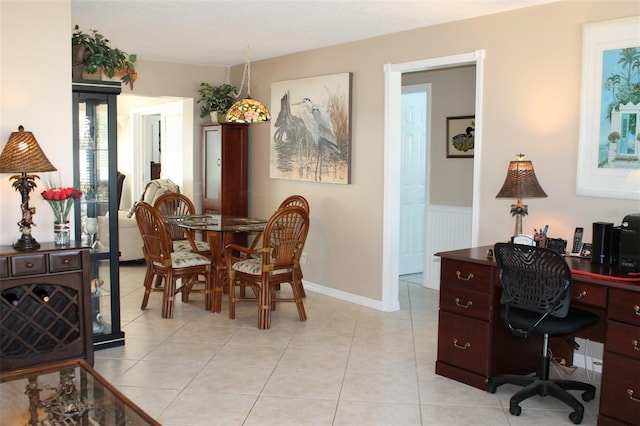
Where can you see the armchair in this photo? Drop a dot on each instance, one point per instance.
(129, 237)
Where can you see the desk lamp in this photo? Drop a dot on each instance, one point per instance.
(520, 182)
(23, 155)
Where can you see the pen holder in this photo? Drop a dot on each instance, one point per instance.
(540, 239)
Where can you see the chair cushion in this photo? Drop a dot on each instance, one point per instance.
(184, 245)
(253, 266)
(181, 259)
(576, 320)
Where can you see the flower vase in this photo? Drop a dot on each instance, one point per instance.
(62, 234)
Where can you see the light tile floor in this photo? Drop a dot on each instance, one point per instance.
(346, 365)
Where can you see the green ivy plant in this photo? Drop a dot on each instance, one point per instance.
(215, 98)
(99, 56)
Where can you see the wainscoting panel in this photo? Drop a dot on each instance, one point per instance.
(447, 228)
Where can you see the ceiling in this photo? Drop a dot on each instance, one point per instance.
(225, 32)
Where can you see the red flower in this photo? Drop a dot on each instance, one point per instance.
(61, 200)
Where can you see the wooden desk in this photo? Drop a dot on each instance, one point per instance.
(475, 344)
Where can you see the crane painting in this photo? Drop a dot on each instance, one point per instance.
(310, 135)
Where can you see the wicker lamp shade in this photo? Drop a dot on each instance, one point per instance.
(22, 154)
(521, 182)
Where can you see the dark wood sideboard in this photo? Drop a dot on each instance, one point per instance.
(475, 344)
(44, 306)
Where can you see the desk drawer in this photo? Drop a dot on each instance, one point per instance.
(589, 294)
(464, 301)
(620, 390)
(463, 342)
(466, 274)
(66, 261)
(28, 265)
(624, 306)
(623, 339)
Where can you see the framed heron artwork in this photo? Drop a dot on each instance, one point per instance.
(311, 129)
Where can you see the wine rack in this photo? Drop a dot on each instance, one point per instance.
(44, 306)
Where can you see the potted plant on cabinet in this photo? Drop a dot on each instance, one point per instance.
(216, 100)
(93, 53)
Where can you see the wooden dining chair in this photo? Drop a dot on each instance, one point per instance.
(176, 204)
(277, 263)
(292, 200)
(166, 266)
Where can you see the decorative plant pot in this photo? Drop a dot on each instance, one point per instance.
(213, 115)
(62, 234)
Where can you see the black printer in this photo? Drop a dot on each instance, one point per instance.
(629, 255)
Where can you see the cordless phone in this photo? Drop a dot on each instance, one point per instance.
(577, 241)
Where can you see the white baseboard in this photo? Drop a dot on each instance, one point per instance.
(343, 295)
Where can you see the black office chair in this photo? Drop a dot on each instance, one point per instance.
(536, 293)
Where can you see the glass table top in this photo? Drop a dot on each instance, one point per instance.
(64, 394)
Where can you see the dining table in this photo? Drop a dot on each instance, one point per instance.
(220, 231)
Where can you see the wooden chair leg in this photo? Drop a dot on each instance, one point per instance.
(264, 306)
(297, 297)
(168, 297)
(148, 280)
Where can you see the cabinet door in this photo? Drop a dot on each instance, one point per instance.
(96, 215)
(212, 136)
(225, 169)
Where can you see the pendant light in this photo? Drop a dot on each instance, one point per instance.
(247, 110)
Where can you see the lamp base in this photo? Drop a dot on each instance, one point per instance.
(26, 243)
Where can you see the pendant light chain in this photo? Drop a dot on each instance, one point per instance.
(246, 74)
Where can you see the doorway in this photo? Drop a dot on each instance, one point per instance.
(392, 162)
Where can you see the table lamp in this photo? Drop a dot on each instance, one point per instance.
(520, 182)
(23, 155)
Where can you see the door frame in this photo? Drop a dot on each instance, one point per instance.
(392, 161)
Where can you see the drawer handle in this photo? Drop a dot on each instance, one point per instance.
(636, 309)
(466, 346)
(582, 294)
(469, 277)
(29, 265)
(634, 343)
(66, 261)
(630, 392)
(465, 306)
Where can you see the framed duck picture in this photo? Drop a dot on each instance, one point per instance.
(460, 136)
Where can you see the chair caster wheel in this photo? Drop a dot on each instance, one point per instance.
(588, 396)
(516, 410)
(491, 387)
(575, 418)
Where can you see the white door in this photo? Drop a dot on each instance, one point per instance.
(413, 178)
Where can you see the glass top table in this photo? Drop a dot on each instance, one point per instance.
(220, 230)
(216, 222)
(64, 394)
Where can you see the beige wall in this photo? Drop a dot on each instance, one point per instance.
(453, 94)
(531, 105)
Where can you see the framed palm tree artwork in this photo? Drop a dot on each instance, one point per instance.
(609, 144)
